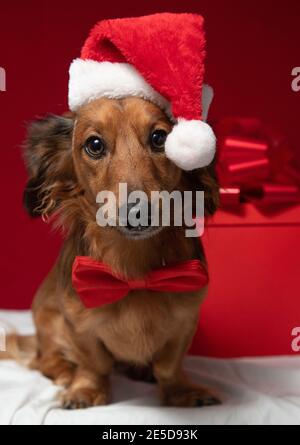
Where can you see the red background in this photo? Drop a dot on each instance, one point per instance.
(252, 48)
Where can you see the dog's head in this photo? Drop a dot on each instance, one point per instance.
(70, 159)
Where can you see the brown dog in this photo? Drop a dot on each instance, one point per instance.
(78, 347)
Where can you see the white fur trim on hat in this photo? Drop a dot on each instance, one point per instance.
(91, 80)
(191, 144)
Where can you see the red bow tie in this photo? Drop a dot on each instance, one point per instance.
(97, 285)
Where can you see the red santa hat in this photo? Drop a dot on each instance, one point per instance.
(159, 58)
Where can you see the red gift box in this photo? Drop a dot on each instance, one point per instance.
(253, 248)
(253, 302)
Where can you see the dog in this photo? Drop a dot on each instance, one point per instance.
(70, 159)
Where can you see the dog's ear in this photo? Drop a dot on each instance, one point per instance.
(48, 157)
(205, 179)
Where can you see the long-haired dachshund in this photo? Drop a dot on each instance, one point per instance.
(79, 347)
(106, 140)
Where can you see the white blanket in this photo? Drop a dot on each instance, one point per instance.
(253, 391)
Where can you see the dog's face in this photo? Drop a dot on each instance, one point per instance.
(71, 159)
(122, 141)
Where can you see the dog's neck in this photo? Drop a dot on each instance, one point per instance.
(131, 258)
(134, 258)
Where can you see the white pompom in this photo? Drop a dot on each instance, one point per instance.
(191, 144)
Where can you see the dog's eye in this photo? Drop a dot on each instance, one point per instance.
(94, 147)
(158, 139)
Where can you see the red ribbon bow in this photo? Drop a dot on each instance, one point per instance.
(255, 164)
(97, 285)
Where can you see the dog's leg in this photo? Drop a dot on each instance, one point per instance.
(87, 389)
(175, 388)
(90, 385)
(54, 366)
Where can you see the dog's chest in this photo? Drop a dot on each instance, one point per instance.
(141, 324)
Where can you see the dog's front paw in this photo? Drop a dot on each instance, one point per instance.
(188, 397)
(82, 398)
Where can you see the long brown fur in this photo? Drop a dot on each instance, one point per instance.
(77, 347)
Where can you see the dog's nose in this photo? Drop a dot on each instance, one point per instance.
(138, 216)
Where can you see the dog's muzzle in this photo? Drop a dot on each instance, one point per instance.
(135, 220)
